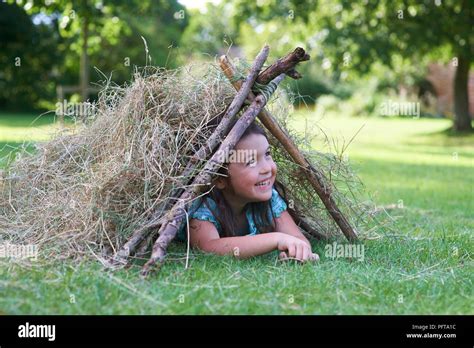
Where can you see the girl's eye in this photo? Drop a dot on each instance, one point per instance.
(268, 153)
(250, 162)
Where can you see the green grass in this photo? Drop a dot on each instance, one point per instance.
(19, 131)
(423, 265)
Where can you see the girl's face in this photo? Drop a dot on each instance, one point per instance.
(251, 178)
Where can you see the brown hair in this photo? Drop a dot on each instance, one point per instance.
(258, 210)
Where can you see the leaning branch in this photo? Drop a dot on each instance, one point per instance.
(315, 177)
(204, 152)
(169, 229)
(285, 65)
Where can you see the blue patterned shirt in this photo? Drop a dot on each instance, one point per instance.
(204, 213)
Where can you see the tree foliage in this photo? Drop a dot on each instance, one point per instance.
(353, 35)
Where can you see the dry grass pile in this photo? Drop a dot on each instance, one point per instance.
(85, 191)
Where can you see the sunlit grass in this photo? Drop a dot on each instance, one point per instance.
(22, 131)
(18, 128)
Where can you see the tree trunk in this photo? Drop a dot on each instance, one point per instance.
(462, 119)
(84, 69)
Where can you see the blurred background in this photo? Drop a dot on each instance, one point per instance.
(369, 59)
(367, 55)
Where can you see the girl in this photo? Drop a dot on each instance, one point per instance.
(243, 214)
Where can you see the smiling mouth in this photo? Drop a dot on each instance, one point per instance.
(263, 183)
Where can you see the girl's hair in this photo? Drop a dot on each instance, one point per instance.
(259, 210)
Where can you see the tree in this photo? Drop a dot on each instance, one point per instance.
(362, 32)
(210, 31)
(92, 25)
(29, 59)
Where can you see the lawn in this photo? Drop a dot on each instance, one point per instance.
(23, 130)
(423, 265)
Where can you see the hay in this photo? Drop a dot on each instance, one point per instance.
(85, 191)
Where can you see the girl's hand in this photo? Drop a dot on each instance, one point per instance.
(284, 257)
(294, 248)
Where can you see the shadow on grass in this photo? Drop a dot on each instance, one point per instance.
(451, 133)
(443, 139)
(22, 120)
(441, 150)
(26, 119)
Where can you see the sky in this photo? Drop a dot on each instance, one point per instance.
(199, 4)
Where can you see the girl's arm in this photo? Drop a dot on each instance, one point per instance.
(205, 236)
(286, 224)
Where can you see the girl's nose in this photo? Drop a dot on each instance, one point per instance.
(266, 167)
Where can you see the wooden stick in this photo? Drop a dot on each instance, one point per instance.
(297, 216)
(285, 65)
(315, 177)
(168, 230)
(304, 224)
(216, 137)
(226, 123)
